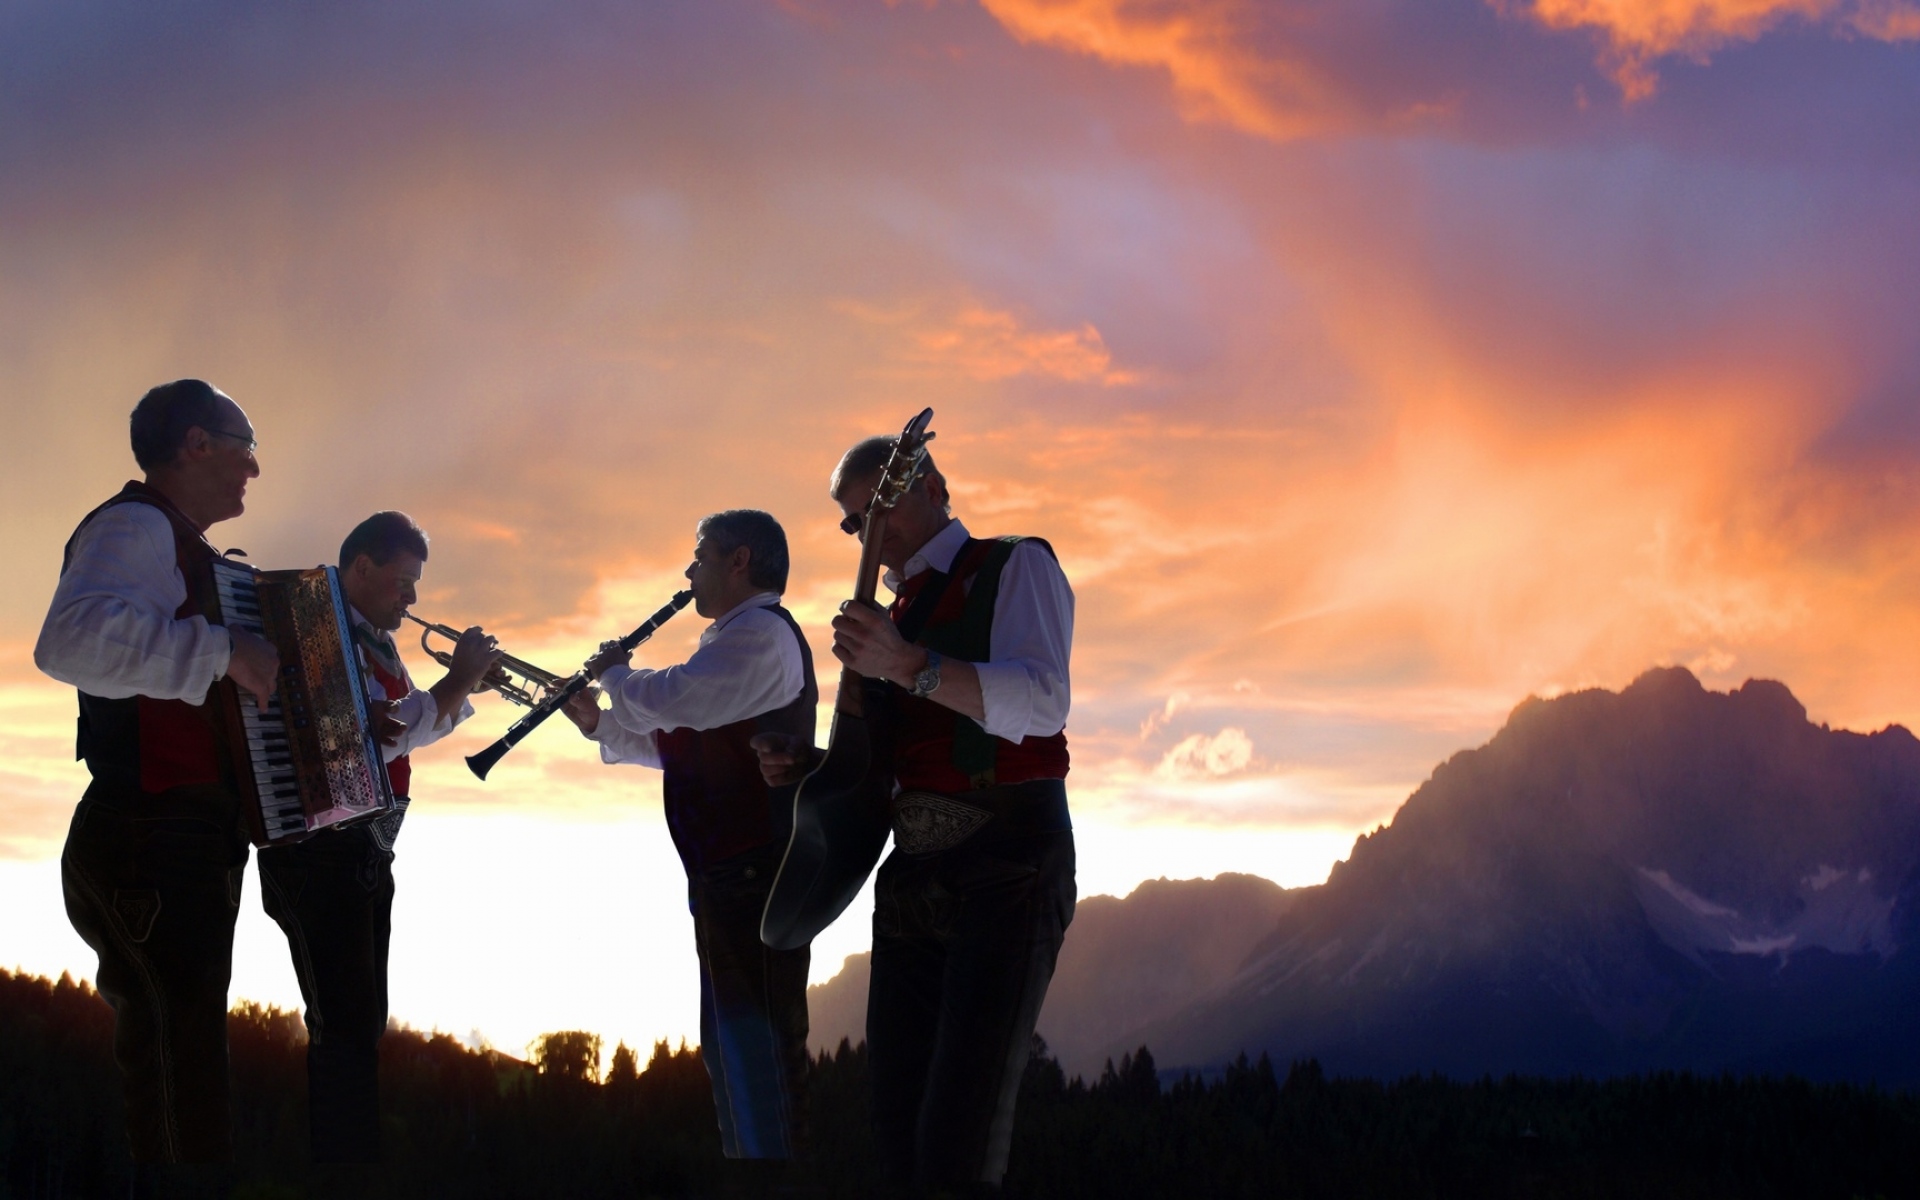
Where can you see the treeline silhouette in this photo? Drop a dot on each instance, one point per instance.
(466, 1123)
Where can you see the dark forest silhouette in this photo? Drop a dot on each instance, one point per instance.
(1127, 961)
(466, 1123)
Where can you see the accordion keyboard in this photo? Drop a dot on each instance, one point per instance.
(268, 747)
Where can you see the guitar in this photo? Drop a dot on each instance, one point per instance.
(840, 818)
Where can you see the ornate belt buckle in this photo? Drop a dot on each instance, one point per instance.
(927, 822)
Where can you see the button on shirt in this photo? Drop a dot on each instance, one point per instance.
(1023, 690)
(425, 724)
(111, 631)
(748, 663)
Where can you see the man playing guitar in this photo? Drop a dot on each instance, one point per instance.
(972, 905)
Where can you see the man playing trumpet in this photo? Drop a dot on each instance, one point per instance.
(752, 674)
(332, 894)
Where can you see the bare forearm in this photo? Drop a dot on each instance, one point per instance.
(959, 689)
(448, 695)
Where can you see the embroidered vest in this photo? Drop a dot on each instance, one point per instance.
(392, 687)
(936, 749)
(717, 803)
(138, 742)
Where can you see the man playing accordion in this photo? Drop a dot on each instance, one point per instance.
(157, 849)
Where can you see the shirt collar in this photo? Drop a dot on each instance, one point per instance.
(757, 600)
(359, 618)
(388, 652)
(937, 555)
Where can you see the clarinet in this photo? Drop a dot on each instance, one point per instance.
(483, 762)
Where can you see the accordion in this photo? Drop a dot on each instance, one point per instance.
(308, 760)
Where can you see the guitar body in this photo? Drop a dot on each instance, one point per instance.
(840, 811)
(840, 827)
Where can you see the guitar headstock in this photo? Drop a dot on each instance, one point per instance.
(909, 459)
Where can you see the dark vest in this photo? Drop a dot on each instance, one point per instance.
(138, 742)
(936, 749)
(717, 803)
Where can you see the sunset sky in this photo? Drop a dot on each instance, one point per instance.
(1371, 366)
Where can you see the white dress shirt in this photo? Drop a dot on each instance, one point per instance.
(111, 631)
(425, 723)
(748, 663)
(1023, 690)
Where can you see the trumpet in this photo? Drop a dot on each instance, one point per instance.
(517, 680)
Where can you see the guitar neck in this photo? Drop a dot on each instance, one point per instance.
(866, 582)
(866, 585)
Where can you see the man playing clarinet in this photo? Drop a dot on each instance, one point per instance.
(972, 905)
(157, 849)
(332, 894)
(752, 674)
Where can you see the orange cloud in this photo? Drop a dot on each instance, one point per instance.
(1640, 31)
(1276, 71)
(1888, 20)
(1198, 45)
(988, 345)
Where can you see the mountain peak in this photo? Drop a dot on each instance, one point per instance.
(1770, 695)
(1576, 893)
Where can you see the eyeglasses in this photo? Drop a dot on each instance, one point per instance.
(246, 438)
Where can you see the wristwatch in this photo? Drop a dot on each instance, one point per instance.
(928, 677)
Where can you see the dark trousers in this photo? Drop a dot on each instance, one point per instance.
(964, 944)
(332, 895)
(753, 1009)
(152, 883)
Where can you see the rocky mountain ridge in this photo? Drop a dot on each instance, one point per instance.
(1664, 877)
(1127, 961)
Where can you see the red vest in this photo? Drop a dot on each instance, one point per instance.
(935, 748)
(138, 742)
(718, 805)
(396, 687)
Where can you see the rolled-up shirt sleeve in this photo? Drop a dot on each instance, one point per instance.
(425, 724)
(1024, 690)
(618, 744)
(111, 631)
(746, 667)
